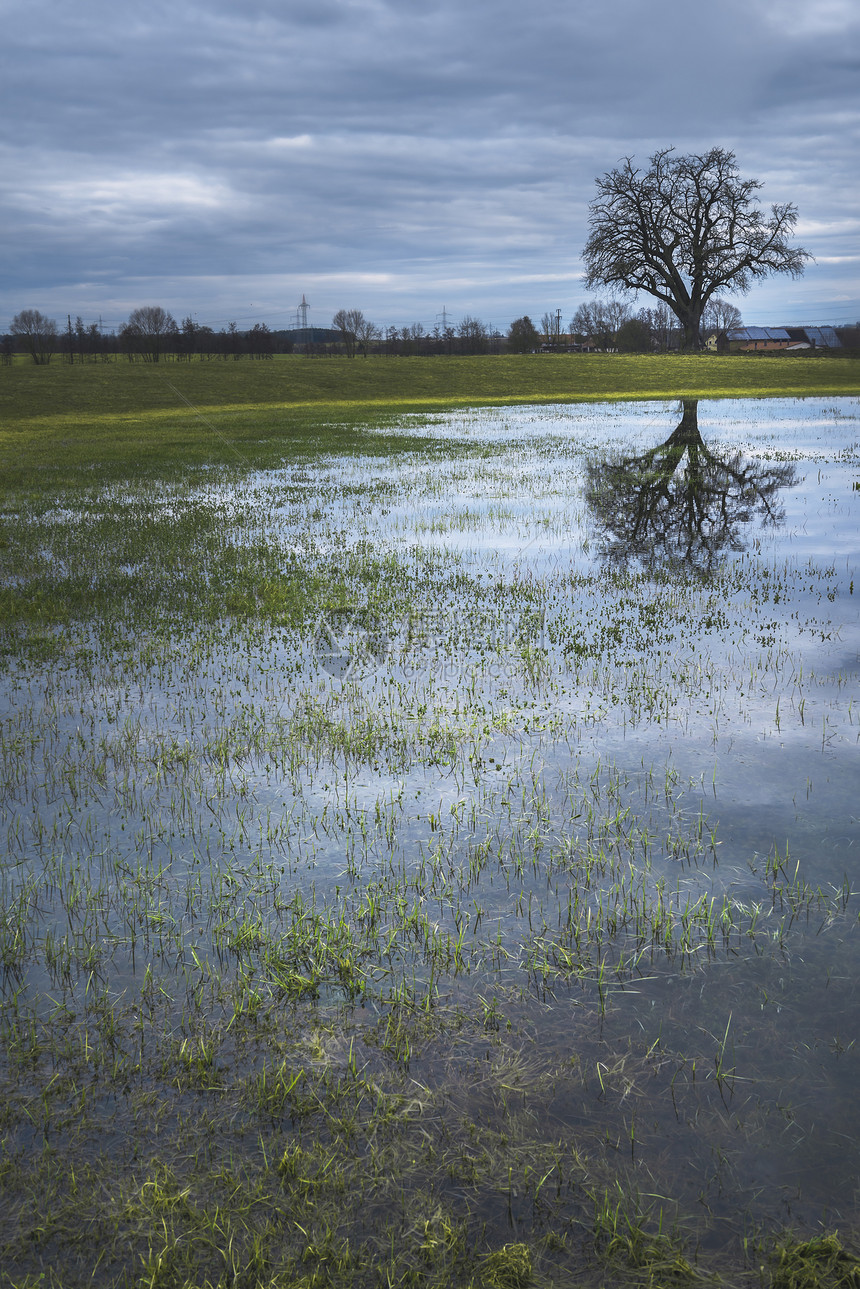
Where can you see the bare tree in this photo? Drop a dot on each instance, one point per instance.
(366, 333)
(662, 323)
(81, 337)
(720, 315)
(582, 323)
(474, 335)
(36, 333)
(685, 229)
(349, 322)
(549, 328)
(148, 330)
(617, 312)
(599, 321)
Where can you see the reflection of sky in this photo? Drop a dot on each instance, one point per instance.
(757, 744)
(764, 755)
(531, 477)
(518, 511)
(822, 514)
(523, 501)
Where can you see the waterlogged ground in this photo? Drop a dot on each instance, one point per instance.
(439, 867)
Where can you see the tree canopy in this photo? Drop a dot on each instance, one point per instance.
(685, 229)
(523, 336)
(36, 332)
(147, 330)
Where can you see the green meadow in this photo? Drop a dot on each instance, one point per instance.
(416, 872)
(132, 414)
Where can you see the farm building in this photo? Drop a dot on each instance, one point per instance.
(751, 339)
(791, 339)
(815, 337)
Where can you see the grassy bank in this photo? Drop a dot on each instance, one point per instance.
(124, 413)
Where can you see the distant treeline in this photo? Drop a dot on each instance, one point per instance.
(152, 335)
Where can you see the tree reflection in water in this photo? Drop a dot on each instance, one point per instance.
(680, 502)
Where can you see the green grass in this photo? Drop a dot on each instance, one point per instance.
(142, 414)
(814, 1264)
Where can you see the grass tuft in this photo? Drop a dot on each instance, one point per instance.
(819, 1263)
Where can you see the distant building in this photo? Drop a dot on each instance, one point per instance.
(745, 340)
(814, 337)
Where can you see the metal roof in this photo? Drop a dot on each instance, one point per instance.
(823, 337)
(758, 333)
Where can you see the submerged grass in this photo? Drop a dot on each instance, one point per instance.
(373, 908)
(820, 1263)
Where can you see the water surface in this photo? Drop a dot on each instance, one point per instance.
(552, 724)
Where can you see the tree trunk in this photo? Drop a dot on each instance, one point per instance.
(691, 328)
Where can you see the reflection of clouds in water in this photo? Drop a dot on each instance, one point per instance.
(517, 504)
(511, 809)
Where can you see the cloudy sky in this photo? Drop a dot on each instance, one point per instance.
(223, 160)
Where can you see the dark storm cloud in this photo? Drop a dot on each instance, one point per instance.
(395, 158)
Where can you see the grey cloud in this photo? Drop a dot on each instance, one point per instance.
(377, 144)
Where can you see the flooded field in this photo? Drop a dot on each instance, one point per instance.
(443, 867)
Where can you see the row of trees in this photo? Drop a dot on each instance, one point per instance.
(599, 324)
(152, 334)
(611, 324)
(358, 334)
(149, 335)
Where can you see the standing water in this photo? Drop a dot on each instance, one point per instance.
(440, 866)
